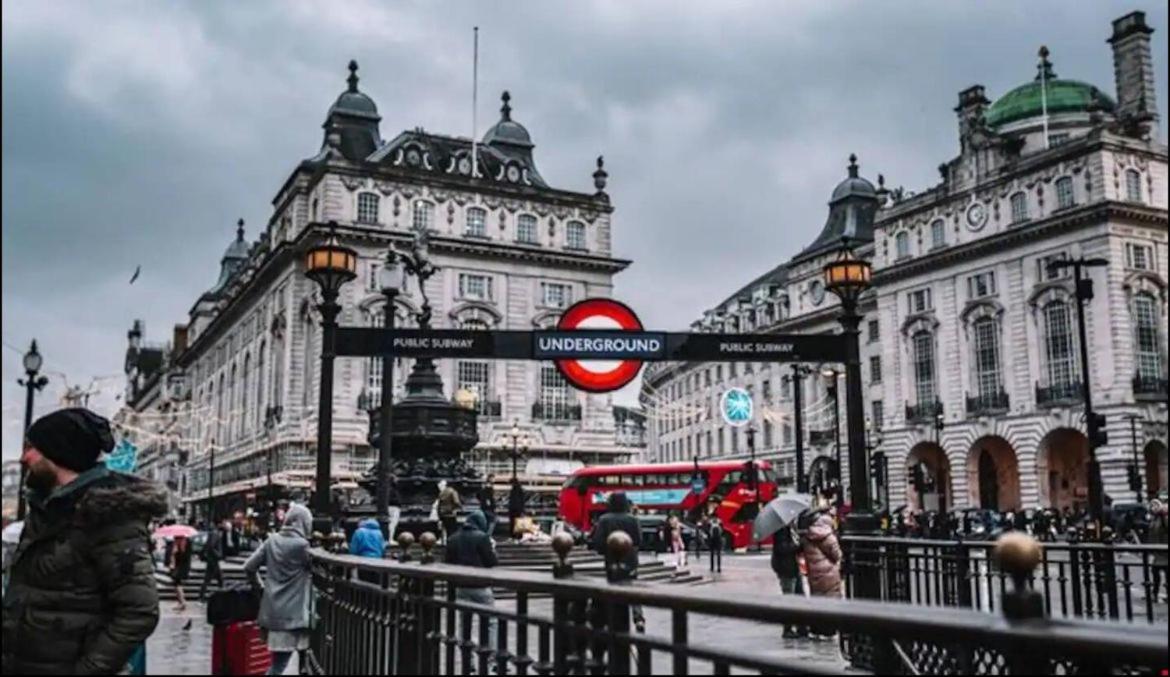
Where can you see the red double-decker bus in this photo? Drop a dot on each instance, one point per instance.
(686, 488)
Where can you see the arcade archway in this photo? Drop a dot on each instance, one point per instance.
(1062, 468)
(929, 489)
(993, 475)
(1155, 456)
(821, 475)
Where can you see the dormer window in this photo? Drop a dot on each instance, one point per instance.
(367, 207)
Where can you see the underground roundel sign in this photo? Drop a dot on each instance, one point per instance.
(599, 376)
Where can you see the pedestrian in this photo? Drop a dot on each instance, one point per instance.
(786, 549)
(448, 509)
(516, 504)
(677, 546)
(822, 555)
(616, 518)
(81, 594)
(180, 569)
(471, 546)
(284, 617)
(211, 555)
(367, 540)
(487, 504)
(1157, 535)
(715, 543)
(393, 508)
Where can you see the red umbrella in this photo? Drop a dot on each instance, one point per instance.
(175, 531)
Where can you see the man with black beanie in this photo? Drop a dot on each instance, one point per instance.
(82, 595)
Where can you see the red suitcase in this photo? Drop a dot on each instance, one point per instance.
(236, 649)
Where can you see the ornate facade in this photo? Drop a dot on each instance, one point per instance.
(512, 253)
(970, 348)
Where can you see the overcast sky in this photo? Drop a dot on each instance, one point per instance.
(137, 133)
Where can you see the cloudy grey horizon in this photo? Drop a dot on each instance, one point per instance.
(136, 133)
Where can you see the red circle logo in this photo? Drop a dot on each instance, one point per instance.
(599, 376)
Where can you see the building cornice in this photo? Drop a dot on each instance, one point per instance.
(1055, 224)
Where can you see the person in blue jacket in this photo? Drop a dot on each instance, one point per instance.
(367, 540)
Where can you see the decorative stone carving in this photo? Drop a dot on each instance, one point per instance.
(352, 183)
(450, 213)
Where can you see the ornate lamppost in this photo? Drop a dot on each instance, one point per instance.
(831, 375)
(330, 265)
(516, 435)
(391, 279)
(799, 371)
(32, 382)
(848, 277)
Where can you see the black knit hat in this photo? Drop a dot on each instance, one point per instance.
(71, 438)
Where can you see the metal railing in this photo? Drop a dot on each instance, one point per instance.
(1078, 580)
(988, 403)
(1060, 393)
(407, 617)
(556, 412)
(821, 437)
(1145, 385)
(923, 412)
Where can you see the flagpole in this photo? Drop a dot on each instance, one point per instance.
(1044, 92)
(474, 107)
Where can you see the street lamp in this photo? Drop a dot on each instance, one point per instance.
(831, 376)
(799, 371)
(515, 434)
(878, 467)
(848, 277)
(32, 383)
(330, 265)
(1094, 423)
(391, 279)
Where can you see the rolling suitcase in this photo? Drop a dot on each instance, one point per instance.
(236, 649)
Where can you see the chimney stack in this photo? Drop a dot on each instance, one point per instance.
(179, 340)
(972, 102)
(1133, 71)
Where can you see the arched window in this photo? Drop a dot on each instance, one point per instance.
(924, 381)
(245, 385)
(1058, 345)
(476, 222)
(1148, 348)
(1133, 185)
(260, 389)
(367, 207)
(988, 377)
(424, 215)
(233, 402)
(902, 245)
(526, 229)
(938, 234)
(1019, 202)
(1064, 192)
(575, 235)
(220, 410)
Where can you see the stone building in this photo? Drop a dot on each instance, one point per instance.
(970, 347)
(512, 253)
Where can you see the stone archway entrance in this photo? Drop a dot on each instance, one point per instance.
(1062, 467)
(993, 475)
(1155, 456)
(821, 475)
(935, 491)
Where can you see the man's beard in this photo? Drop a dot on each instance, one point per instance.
(41, 478)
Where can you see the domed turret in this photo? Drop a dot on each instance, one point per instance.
(351, 127)
(852, 207)
(507, 131)
(234, 257)
(1029, 100)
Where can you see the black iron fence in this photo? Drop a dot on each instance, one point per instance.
(1146, 385)
(1059, 393)
(1077, 580)
(387, 617)
(988, 403)
(923, 412)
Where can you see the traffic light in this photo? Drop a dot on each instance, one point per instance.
(1135, 478)
(1098, 436)
(875, 467)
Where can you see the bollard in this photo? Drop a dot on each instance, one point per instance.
(562, 545)
(405, 541)
(1018, 555)
(427, 540)
(618, 545)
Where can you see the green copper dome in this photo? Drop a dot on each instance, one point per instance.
(1064, 96)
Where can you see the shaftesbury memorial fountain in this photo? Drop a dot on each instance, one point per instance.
(429, 434)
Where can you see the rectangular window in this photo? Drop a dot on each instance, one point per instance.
(924, 389)
(707, 376)
(372, 279)
(554, 393)
(1139, 256)
(920, 301)
(731, 370)
(786, 388)
(981, 285)
(876, 407)
(987, 373)
(721, 445)
(1019, 207)
(1133, 185)
(1149, 349)
(526, 229)
(423, 215)
(477, 287)
(787, 434)
(902, 245)
(1059, 344)
(1044, 274)
(719, 373)
(575, 235)
(766, 390)
(556, 295)
(734, 434)
(1064, 192)
(874, 332)
(476, 222)
(367, 208)
(875, 369)
(473, 377)
(938, 234)
(767, 434)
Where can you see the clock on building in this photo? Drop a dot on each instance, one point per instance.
(465, 166)
(816, 290)
(513, 174)
(976, 216)
(412, 157)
